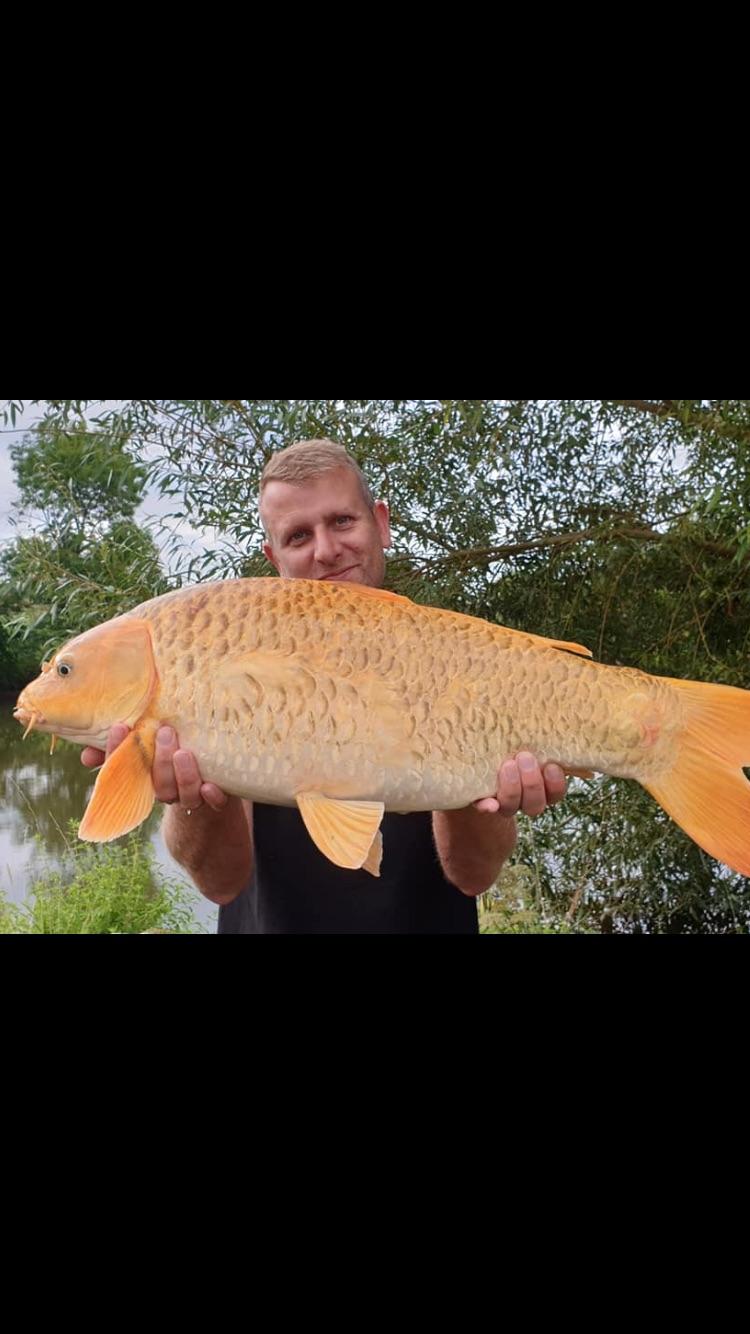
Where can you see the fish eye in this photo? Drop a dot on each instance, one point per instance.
(64, 669)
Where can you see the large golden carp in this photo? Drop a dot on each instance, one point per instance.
(349, 701)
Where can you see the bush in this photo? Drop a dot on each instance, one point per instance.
(513, 908)
(107, 890)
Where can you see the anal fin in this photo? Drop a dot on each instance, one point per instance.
(346, 832)
(374, 856)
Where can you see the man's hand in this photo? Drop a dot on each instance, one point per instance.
(522, 786)
(215, 849)
(176, 776)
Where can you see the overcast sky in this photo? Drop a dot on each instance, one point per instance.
(7, 488)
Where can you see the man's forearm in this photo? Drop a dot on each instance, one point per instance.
(214, 847)
(472, 846)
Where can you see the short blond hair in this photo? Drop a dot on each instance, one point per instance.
(306, 459)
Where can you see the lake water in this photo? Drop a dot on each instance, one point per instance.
(39, 794)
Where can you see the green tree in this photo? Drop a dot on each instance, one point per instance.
(77, 479)
(82, 557)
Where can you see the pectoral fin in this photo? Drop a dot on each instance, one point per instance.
(346, 832)
(124, 793)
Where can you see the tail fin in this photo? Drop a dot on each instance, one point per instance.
(706, 792)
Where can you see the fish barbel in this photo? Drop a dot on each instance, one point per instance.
(348, 701)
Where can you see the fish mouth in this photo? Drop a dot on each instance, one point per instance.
(30, 719)
(34, 721)
(23, 713)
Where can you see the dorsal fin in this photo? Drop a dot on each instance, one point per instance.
(543, 642)
(380, 593)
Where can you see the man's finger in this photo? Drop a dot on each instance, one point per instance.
(163, 775)
(92, 757)
(117, 734)
(188, 778)
(490, 805)
(534, 798)
(555, 783)
(509, 790)
(213, 796)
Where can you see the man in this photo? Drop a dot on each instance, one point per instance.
(259, 864)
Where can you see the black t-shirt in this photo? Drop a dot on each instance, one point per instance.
(296, 890)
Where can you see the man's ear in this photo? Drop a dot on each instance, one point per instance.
(382, 519)
(268, 553)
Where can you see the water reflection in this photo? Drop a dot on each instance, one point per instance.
(39, 794)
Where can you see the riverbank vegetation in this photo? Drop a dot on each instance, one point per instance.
(108, 890)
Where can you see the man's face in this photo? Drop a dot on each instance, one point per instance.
(323, 529)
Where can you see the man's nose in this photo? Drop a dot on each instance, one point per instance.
(327, 546)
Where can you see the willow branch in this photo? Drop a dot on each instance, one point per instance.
(700, 418)
(559, 541)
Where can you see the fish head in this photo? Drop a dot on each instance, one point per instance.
(103, 676)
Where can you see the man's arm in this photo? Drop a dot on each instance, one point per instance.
(214, 847)
(214, 842)
(474, 843)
